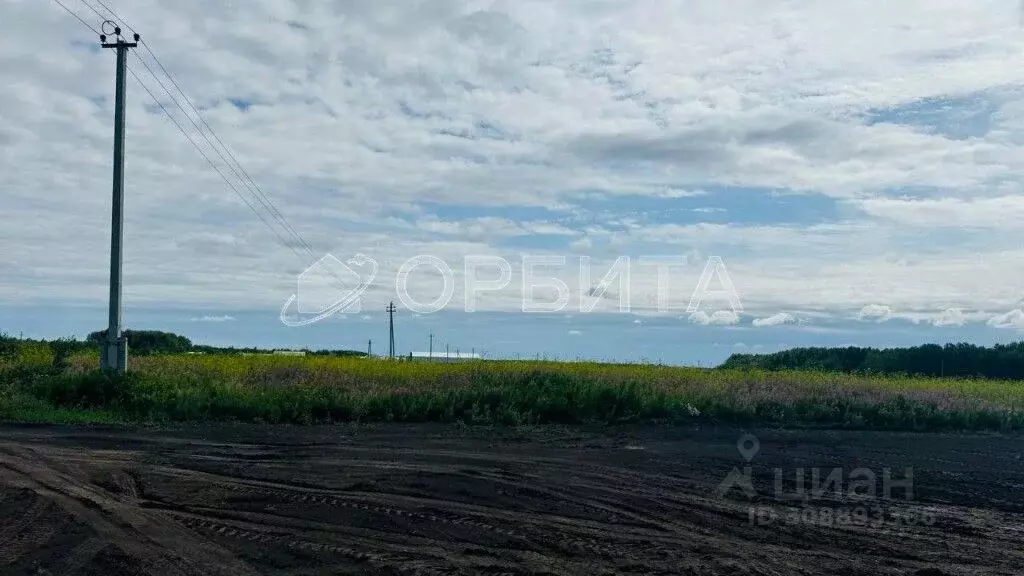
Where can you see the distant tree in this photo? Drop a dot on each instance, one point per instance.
(952, 360)
(336, 353)
(143, 342)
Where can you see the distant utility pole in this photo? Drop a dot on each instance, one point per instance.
(391, 329)
(369, 347)
(431, 353)
(114, 355)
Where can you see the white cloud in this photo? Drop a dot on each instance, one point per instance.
(950, 317)
(875, 313)
(717, 318)
(670, 192)
(492, 228)
(214, 318)
(996, 213)
(775, 320)
(1012, 319)
(582, 243)
(450, 128)
(575, 332)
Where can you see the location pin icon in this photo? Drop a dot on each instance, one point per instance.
(748, 445)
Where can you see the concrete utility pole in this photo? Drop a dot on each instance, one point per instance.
(369, 347)
(431, 353)
(391, 329)
(114, 355)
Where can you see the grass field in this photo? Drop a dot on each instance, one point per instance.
(38, 385)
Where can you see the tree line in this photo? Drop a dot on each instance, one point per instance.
(148, 342)
(952, 360)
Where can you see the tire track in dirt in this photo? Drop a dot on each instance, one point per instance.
(607, 507)
(113, 520)
(602, 485)
(410, 499)
(292, 541)
(444, 512)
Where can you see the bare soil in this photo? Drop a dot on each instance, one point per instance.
(441, 499)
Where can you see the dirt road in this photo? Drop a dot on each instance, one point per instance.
(437, 499)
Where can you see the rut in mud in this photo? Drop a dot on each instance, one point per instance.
(436, 499)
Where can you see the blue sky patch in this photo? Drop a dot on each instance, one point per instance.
(719, 205)
(466, 212)
(240, 103)
(959, 118)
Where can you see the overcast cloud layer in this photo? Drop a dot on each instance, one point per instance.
(859, 160)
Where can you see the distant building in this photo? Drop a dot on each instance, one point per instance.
(289, 352)
(443, 356)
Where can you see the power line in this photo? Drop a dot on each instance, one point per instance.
(211, 163)
(252, 187)
(77, 17)
(262, 197)
(279, 219)
(185, 132)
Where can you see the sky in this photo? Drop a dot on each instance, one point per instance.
(853, 170)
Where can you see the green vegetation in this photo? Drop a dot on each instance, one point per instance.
(147, 342)
(1004, 361)
(42, 381)
(153, 342)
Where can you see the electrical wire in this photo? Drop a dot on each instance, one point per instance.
(279, 218)
(211, 163)
(274, 213)
(234, 165)
(79, 18)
